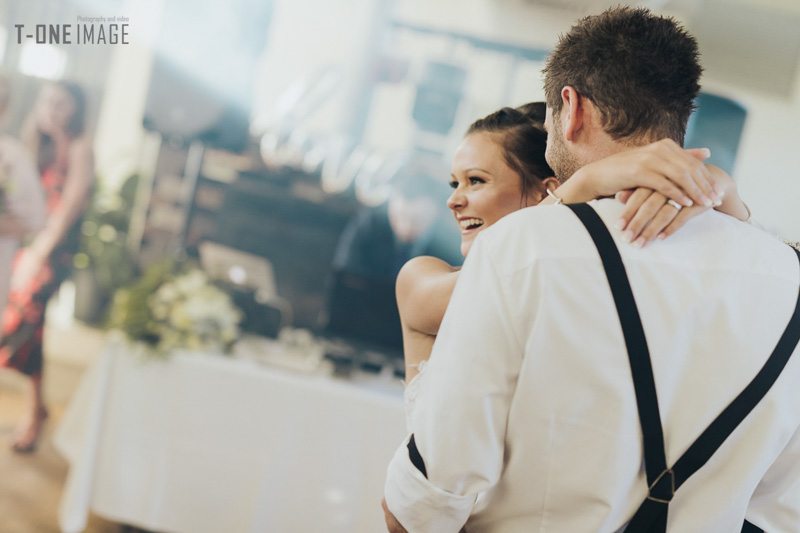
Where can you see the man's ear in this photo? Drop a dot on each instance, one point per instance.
(550, 183)
(573, 119)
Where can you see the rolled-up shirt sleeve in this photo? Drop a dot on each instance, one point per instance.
(459, 423)
(417, 503)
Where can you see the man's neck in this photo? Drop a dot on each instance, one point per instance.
(604, 146)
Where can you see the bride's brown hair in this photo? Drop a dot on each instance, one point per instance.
(522, 136)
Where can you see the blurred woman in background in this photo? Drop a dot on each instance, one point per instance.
(21, 198)
(54, 134)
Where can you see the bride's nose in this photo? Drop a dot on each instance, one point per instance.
(457, 200)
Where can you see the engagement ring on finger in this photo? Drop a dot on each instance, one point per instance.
(674, 204)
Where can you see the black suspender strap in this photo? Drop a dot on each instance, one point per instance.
(651, 517)
(660, 480)
(415, 457)
(750, 528)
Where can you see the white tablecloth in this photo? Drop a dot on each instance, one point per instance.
(203, 443)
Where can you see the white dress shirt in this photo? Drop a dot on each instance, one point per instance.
(526, 417)
(24, 204)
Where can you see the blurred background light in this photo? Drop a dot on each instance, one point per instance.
(42, 60)
(3, 39)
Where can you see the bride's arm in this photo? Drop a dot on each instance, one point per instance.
(424, 286)
(646, 179)
(647, 216)
(752, 220)
(662, 166)
(423, 289)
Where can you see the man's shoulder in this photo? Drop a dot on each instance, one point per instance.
(715, 241)
(710, 239)
(544, 219)
(545, 227)
(532, 234)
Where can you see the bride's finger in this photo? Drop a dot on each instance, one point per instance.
(643, 216)
(663, 217)
(685, 215)
(692, 174)
(632, 206)
(659, 179)
(622, 196)
(681, 170)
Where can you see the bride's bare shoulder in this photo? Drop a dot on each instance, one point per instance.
(424, 287)
(421, 271)
(427, 265)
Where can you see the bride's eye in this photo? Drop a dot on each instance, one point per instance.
(453, 184)
(474, 180)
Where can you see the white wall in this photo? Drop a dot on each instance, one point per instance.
(119, 127)
(767, 164)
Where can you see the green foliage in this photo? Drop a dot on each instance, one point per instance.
(130, 309)
(172, 307)
(103, 251)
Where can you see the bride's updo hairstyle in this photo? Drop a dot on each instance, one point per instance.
(520, 131)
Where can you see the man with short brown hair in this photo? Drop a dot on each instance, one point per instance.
(573, 374)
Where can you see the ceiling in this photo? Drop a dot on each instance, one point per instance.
(754, 44)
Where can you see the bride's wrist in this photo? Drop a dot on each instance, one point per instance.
(732, 204)
(578, 188)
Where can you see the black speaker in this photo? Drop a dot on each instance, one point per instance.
(260, 319)
(203, 67)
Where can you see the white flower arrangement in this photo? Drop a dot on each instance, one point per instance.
(169, 311)
(189, 312)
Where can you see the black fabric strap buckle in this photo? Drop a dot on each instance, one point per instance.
(663, 488)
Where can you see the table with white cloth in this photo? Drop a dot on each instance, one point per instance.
(210, 444)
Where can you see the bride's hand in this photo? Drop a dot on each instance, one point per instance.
(663, 166)
(648, 214)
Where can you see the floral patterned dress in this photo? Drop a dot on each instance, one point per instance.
(23, 317)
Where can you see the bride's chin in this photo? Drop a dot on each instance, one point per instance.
(466, 244)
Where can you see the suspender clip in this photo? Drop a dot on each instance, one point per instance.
(663, 488)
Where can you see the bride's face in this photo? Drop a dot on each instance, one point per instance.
(485, 188)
